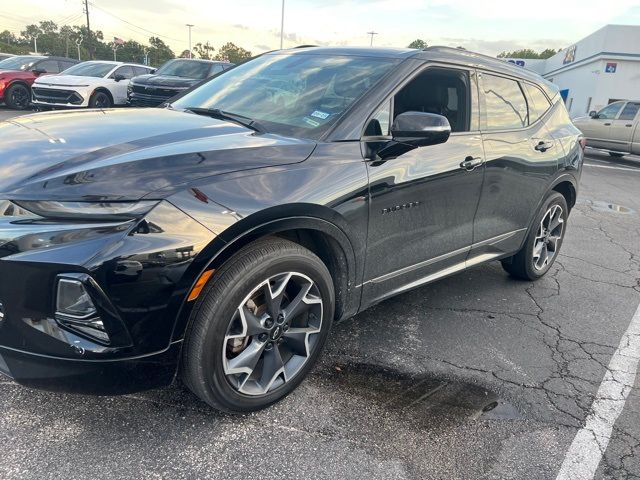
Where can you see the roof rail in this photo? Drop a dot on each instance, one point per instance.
(306, 46)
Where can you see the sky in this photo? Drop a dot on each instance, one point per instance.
(485, 26)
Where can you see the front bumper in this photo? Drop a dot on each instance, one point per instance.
(98, 377)
(142, 270)
(58, 97)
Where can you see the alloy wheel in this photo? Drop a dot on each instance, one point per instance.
(272, 334)
(548, 237)
(20, 97)
(102, 101)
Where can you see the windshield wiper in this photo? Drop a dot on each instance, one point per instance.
(232, 117)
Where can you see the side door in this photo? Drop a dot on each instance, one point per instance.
(119, 89)
(422, 203)
(521, 158)
(623, 126)
(597, 130)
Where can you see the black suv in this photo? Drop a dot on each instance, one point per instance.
(171, 79)
(221, 236)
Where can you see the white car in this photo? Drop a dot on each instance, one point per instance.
(95, 84)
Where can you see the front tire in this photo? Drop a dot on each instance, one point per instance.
(543, 242)
(258, 327)
(100, 100)
(18, 97)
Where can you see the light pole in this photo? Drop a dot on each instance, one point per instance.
(35, 43)
(190, 25)
(78, 43)
(282, 27)
(372, 33)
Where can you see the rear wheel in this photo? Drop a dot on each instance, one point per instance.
(18, 97)
(543, 242)
(100, 100)
(259, 326)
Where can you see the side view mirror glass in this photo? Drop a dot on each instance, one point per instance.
(593, 114)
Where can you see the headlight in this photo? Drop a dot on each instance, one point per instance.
(85, 210)
(10, 209)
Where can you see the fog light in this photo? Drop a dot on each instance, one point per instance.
(73, 300)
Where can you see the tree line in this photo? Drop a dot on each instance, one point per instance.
(63, 41)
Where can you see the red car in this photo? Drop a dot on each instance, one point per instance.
(18, 73)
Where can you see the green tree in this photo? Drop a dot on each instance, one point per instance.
(528, 53)
(204, 50)
(232, 53)
(418, 43)
(159, 52)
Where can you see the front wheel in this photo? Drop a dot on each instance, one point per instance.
(259, 326)
(18, 97)
(543, 242)
(100, 100)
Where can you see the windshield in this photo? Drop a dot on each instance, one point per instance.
(23, 62)
(185, 68)
(291, 94)
(89, 69)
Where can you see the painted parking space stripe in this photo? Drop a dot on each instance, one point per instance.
(637, 170)
(591, 441)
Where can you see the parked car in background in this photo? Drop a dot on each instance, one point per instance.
(220, 237)
(614, 128)
(95, 84)
(172, 78)
(18, 73)
(4, 56)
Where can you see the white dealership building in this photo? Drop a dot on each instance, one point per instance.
(597, 70)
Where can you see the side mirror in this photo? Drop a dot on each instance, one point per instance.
(593, 114)
(415, 129)
(39, 71)
(118, 77)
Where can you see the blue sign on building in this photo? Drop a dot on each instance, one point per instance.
(611, 67)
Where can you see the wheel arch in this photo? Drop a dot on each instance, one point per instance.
(103, 90)
(566, 185)
(319, 235)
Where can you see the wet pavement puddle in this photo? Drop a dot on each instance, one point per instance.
(606, 207)
(421, 398)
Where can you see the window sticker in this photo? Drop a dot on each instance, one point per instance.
(319, 114)
(311, 122)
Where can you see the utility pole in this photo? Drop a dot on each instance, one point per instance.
(282, 27)
(190, 26)
(86, 10)
(66, 43)
(372, 33)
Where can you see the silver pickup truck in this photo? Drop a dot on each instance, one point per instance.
(614, 128)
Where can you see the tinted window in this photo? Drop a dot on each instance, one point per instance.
(49, 66)
(629, 111)
(505, 105)
(185, 68)
(21, 62)
(538, 103)
(441, 91)
(295, 94)
(140, 71)
(126, 72)
(64, 64)
(610, 111)
(216, 69)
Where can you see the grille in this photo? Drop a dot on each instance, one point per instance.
(50, 95)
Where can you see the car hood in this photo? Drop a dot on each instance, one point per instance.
(128, 154)
(67, 80)
(168, 81)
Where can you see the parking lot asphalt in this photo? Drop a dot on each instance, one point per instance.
(475, 376)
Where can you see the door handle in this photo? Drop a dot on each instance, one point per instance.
(470, 163)
(543, 146)
(607, 124)
(629, 125)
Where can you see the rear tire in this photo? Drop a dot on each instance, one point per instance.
(18, 97)
(543, 242)
(616, 154)
(258, 327)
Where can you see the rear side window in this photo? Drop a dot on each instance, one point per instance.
(49, 66)
(538, 103)
(505, 104)
(629, 111)
(140, 71)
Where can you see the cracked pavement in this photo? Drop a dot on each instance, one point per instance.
(476, 376)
